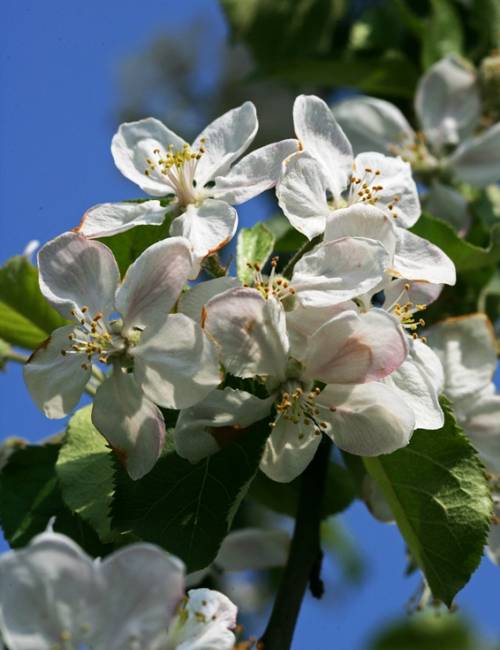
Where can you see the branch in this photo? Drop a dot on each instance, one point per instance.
(304, 560)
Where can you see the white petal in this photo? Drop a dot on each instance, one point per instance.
(130, 422)
(418, 293)
(418, 259)
(360, 220)
(493, 548)
(225, 139)
(76, 272)
(253, 548)
(204, 428)
(289, 450)
(108, 219)
(353, 348)
(448, 204)
(153, 283)
(447, 102)
(176, 365)
(208, 227)
(477, 160)
(301, 195)
(135, 143)
(367, 419)
(254, 174)
(142, 587)
(373, 124)
(338, 270)
(56, 381)
(205, 622)
(250, 332)
(399, 195)
(45, 594)
(417, 387)
(481, 422)
(191, 302)
(322, 137)
(466, 346)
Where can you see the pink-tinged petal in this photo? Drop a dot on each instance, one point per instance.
(136, 146)
(153, 283)
(108, 219)
(176, 365)
(192, 302)
(418, 259)
(361, 220)
(224, 140)
(130, 422)
(373, 124)
(338, 270)
(302, 194)
(466, 346)
(75, 272)
(46, 592)
(397, 194)
(480, 419)
(249, 331)
(202, 429)
(56, 381)
(477, 160)
(205, 622)
(353, 348)
(447, 102)
(366, 419)
(150, 586)
(322, 137)
(208, 227)
(253, 549)
(254, 174)
(289, 450)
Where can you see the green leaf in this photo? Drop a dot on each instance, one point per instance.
(439, 496)
(466, 256)
(283, 497)
(30, 497)
(26, 318)
(85, 470)
(188, 509)
(255, 246)
(428, 631)
(128, 245)
(443, 35)
(288, 240)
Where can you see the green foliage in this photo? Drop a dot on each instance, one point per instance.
(439, 496)
(255, 246)
(465, 255)
(288, 240)
(429, 631)
(442, 34)
(188, 509)
(283, 497)
(30, 496)
(26, 319)
(85, 470)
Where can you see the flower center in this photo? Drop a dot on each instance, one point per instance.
(298, 406)
(404, 312)
(365, 187)
(275, 285)
(92, 338)
(415, 152)
(178, 167)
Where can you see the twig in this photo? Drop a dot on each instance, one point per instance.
(309, 244)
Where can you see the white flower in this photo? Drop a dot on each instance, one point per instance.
(467, 348)
(344, 353)
(325, 176)
(201, 178)
(55, 597)
(447, 106)
(157, 357)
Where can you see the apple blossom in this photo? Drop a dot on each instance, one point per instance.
(157, 357)
(202, 179)
(53, 596)
(325, 177)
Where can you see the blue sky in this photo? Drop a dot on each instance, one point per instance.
(59, 66)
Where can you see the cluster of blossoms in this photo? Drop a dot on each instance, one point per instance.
(334, 348)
